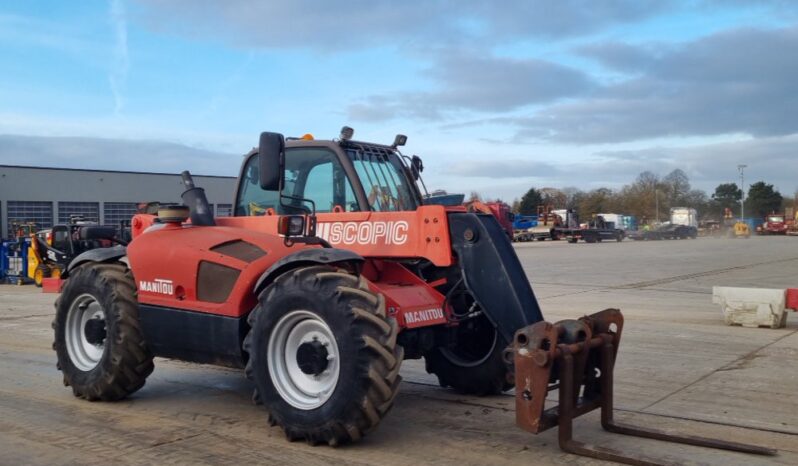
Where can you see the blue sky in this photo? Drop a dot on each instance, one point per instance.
(545, 93)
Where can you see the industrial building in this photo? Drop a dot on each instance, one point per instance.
(47, 196)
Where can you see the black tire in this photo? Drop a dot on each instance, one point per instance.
(475, 366)
(125, 360)
(369, 358)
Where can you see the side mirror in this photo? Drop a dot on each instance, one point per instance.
(416, 166)
(271, 152)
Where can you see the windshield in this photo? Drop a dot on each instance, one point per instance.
(384, 178)
(775, 219)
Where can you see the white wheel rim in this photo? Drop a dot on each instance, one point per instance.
(299, 389)
(84, 354)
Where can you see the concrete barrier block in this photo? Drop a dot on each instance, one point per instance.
(751, 307)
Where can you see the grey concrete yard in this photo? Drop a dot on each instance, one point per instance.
(679, 368)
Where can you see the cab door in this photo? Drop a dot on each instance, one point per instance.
(314, 178)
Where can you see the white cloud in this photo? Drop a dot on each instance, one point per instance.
(114, 154)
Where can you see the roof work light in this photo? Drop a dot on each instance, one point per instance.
(347, 133)
(399, 140)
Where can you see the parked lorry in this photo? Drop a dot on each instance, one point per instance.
(595, 231)
(620, 221)
(500, 210)
(683, 224)
(614, 220)
(687, 217)
(773, 224)
(522, 224)
(542, 228)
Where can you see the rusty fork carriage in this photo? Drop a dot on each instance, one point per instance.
(578, 357)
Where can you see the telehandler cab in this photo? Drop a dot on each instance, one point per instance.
(331, 272)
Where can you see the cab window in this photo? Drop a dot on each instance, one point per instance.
(60, 237)
(310, 173)
(384, 180)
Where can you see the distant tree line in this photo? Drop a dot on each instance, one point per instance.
(650, 195)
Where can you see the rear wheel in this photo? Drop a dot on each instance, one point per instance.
(100, 347)
(474, 364)
(323, 355)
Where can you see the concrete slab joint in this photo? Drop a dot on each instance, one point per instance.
(751, 307)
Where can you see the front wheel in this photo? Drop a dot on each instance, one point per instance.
(474, 363)
(323, 355)
(41, 272)
(100, 347)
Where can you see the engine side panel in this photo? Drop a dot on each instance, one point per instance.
(203, 269)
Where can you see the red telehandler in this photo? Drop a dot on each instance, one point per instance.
(331, 272)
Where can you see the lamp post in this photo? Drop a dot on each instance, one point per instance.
(742, 188)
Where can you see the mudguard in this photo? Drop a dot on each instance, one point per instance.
(305, 257)
(96, 255)
(492, 272)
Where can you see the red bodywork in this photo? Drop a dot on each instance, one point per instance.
(165, 260)
(500, 210)
(774, 225)
(792, 299)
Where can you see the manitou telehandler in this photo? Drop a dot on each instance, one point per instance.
(331, 272)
